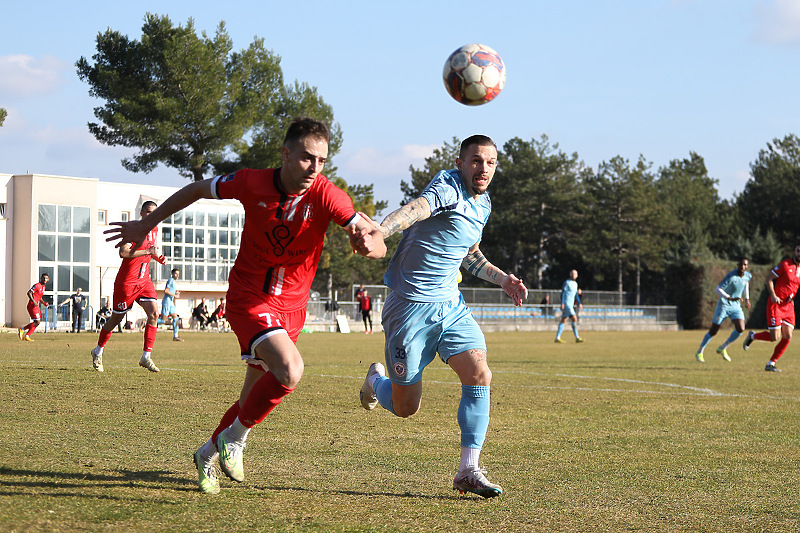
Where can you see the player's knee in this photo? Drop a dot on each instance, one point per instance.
(289, 375)
(405, 409)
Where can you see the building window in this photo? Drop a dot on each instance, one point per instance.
(102, 217)
(64, 248)
(125, 216)
(2, 210)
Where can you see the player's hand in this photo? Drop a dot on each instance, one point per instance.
(161, 259)
(367, 241)
(776, 299)
(133, 231)
(515, 289)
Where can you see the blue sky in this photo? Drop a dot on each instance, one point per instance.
(657, 78)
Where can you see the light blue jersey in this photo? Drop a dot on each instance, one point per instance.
(569, 290)
(425, 266)
(735, 286)
(168, 303)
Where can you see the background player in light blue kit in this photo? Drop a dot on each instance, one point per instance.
(733, 288)
(425, 313)
(168, 303)
(569, 291)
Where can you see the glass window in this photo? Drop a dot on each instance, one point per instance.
(177, 235)
(177, 252)
(235, 220)
(187, 274)
(188, 218)
(223, 220)
(200, 219)
(234, 253)
(212, 220)
(102, 215)
(81, 249)
(223, 238)
(64, 279)
(223, 274)
(64, 219)
(223, 254)
(188, 252)
(199, 236)
(212, 236)
(80, 278)
(199, 252)
(82, 223)
(177, 218)
(199, 275)
(64, 248)
(168, 220)
(212, 254)
(189, 236)
(235, 238)
(47, 248)
(125, 216)
(167, 251)
(47, 218)
(212, 273)
(166, 234)
(165, 272)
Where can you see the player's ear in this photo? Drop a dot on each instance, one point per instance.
(285, 154)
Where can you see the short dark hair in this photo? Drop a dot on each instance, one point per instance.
(148, 203)
(302, 127)
(479, 140)
(174, 270)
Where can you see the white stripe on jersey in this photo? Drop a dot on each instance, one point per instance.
(291, 209)
(277, 285)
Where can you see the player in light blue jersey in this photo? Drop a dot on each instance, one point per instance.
(569, 294)
(425, 313)
(732, 290)
(168, 303)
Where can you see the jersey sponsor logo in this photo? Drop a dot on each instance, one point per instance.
(279, 238)
(227, 177)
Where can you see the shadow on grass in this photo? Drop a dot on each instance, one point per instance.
(85, 480)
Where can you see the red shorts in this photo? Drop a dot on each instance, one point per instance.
(253, 319)
(125, 295)
(778, 314)
(33, 311)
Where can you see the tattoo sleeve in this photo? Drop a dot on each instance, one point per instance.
(480, 267)
(403, 218)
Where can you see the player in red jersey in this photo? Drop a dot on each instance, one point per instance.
(133, 284)
(782, 287)
(287, 212)
(35, 294)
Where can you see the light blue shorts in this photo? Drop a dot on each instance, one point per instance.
(734, 312)
(568, 311)
(416, 332)
(167, 307)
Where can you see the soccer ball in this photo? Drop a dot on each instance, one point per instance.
(474, 74)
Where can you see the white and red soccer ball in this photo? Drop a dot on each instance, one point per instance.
(474, 74)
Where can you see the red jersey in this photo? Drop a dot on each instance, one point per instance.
(365, 303)
(283, 233)
(38, 292)
(787, 279)
(133, 271)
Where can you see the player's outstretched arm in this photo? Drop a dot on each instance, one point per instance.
(477, 265)
(136, 230)
(403, 218)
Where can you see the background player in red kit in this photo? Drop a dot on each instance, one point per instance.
(35, 294)
(782, 287)
(133, 284)
(287, 211)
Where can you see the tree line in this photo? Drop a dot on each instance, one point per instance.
(193, 103)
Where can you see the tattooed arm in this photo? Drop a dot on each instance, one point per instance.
(480, 267)
(405, 217)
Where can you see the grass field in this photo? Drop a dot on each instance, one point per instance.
(623, 433)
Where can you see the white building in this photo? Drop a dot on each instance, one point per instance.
(55, 225)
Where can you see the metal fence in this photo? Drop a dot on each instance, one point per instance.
(60, 318)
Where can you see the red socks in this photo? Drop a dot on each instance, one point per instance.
(149, 337)
(779, 349)
(103, 338)
(227, 419)
(29, 329)
(265, 395)
(762, 336)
